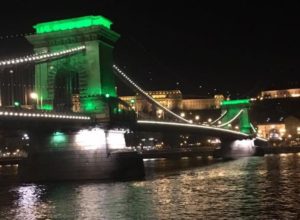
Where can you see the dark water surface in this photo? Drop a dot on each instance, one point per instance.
(248, 188)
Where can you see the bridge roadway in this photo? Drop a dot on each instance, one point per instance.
(154, 126)
(171, 127)
(14, 118)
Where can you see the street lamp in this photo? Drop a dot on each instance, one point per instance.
(34, 96)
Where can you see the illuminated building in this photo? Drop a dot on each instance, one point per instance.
(173, 100)
(284, 93)
(170, 99)
(273, 131)
(276, 114)
(288, 128)
(196, 104)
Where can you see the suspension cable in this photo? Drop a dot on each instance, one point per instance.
(222, 115)
(253, 128)
(235, 117)
(40, 56)
(133, 85)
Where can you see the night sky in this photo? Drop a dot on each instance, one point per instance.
(237, 48)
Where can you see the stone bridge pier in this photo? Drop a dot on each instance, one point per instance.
(87, 154)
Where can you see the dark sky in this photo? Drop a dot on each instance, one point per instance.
(201, 48)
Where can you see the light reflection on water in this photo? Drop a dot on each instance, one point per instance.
(248, 188)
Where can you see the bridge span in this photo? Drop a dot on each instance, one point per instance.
(190, 128)
(74, 71)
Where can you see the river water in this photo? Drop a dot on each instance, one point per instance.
(247, 188)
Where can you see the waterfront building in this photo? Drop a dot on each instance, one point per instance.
(285, 131)
(189, 107)
(283, 93)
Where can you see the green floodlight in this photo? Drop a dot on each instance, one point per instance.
(235, 102)
(72, 23)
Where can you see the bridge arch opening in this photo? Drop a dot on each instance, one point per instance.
(66, 90)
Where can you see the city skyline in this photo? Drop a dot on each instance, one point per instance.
(238, 49)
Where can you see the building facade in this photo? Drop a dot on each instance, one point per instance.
(286, 132)
(284, 93)
(173, 100)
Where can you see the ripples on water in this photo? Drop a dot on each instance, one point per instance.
(248, 188)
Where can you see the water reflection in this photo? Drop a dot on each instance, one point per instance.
(158, 168)
(29, 203)
(282, 186)
(248, 188)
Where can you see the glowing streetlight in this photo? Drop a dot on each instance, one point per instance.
(34, 96)
(17, 104)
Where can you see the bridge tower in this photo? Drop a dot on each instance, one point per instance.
(86, 76)
(235, 107)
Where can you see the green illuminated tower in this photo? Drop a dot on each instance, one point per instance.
(86, 75)
(233, 107)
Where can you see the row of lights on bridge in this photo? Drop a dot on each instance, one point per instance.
(37, 57)
(43, 115)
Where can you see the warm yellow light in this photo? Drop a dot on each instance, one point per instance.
(282, 130)
(33, 95)
(295, 95)
(159, 96)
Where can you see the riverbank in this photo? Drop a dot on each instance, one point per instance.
(277, 150)
(175, 153)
